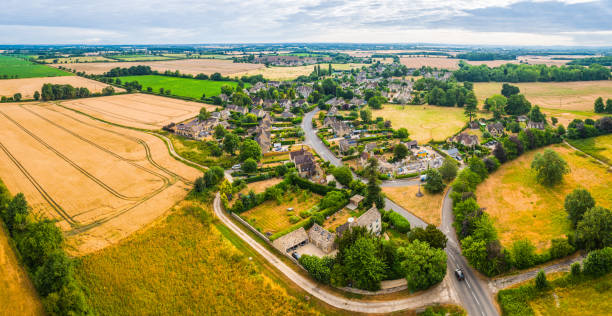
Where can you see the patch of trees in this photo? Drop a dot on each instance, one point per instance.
(577, 129)
(40, 245)
(530, 73)
(601, 108)
(445, 93)
(486, 56)
(51, 91)
(604, 61)
(139, 70)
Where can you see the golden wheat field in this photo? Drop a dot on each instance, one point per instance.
(100, 182)
(138, 110)
(28, 86)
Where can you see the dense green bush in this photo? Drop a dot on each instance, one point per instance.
(398, 222)
(598, 262)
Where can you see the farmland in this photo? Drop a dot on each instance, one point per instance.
(81, 59)
(577, 95)
(522, 208)
(434, 62)
(427, 207)
(114, 180)
(183, 265)
(290, 73)
(18, 293)
(599, 147)
(12, 67)
(28, 86)
(186, 87)
(424, 122)
(272, 217)
(185, 66)
(138, 110)
(140, 57)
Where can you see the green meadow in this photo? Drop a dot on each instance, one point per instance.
(186, 87)
(13, 67)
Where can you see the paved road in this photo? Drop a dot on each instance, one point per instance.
(473, 293)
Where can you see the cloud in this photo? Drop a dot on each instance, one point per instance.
(499, 22)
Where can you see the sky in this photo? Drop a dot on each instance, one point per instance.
(463, 22)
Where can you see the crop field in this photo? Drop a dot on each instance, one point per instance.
(586, 298)
(576, 96)
(113, 180)
(28, 86)
(206, 56)
(185, 66)
(182, 266)
(12, 66)
(185, 87)
(427, 207)
(82, 59)
(18, 294)
(491, 63)
(140, 57)
(138, 110)
(522, 208)
(599, 147)
(437, 62)
(290, 73)
(424, 123)
(272, 217)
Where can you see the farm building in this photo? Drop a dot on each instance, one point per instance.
(291, 241)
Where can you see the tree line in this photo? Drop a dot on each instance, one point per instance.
(486, 56)
(530, 73)
(51, 91)
(39, 243)
(445, 93)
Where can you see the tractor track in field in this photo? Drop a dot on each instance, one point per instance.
(76, 166)
(58, 208)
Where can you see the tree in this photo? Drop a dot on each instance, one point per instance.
(594, 231)
(540, 281)
(220, 131)
(491, 163)
(536, 115)
(376, 102)
(227, 90)
(333, 199)
(366, 115)
(509, 90)
(16, 213)
(38, 241)
(203, 115)
(373, 191)
(496, 104)
(599, 105)
(363, 267)
(431, 235)
(470, 105)
(318, 268)
(449, 169)
(523, 254)
(402, 133)
(250, 149)
(400, 152)
(500, 153)
(17, 96)
(230, 143)
(609, 106)
(478, 166)
(549, 167)
(249, 165)
(213, 176)
(53, 274)
(422, 265)
(36, 95)
(598, 262)
(343, 175)
(575, 269)
(434, 182)
(517, 105)
(577, 203)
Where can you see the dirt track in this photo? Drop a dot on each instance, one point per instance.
(100, 182)
(28, 86)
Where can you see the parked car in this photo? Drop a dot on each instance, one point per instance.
(295, 255)
(459, 274)
(424, 178)
(236, 167)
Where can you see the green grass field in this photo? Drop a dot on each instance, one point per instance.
(12, 66)
(598, 147)
(184, 265)
(185, 87)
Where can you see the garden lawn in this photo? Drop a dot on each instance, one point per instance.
(273, 217)
(599, 147)
(522, 208)
(181, 266)
(424, 122)
(185, 87)
(576, 95)
(427, 207)
(12, 66)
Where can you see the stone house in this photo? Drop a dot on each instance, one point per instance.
(291, 241)
(321, 238)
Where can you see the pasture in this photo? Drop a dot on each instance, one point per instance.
(13, 67)
(566, 116)
(271, 216)
(427, 207)
(569, 96)
(138, 110)
(28, 86)
(114, 181)
(424, 122)
(291, 73)
(599, 147)
(184, 265)
(185, 66)
(18, 294)
(185, 87)
(522, 208)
